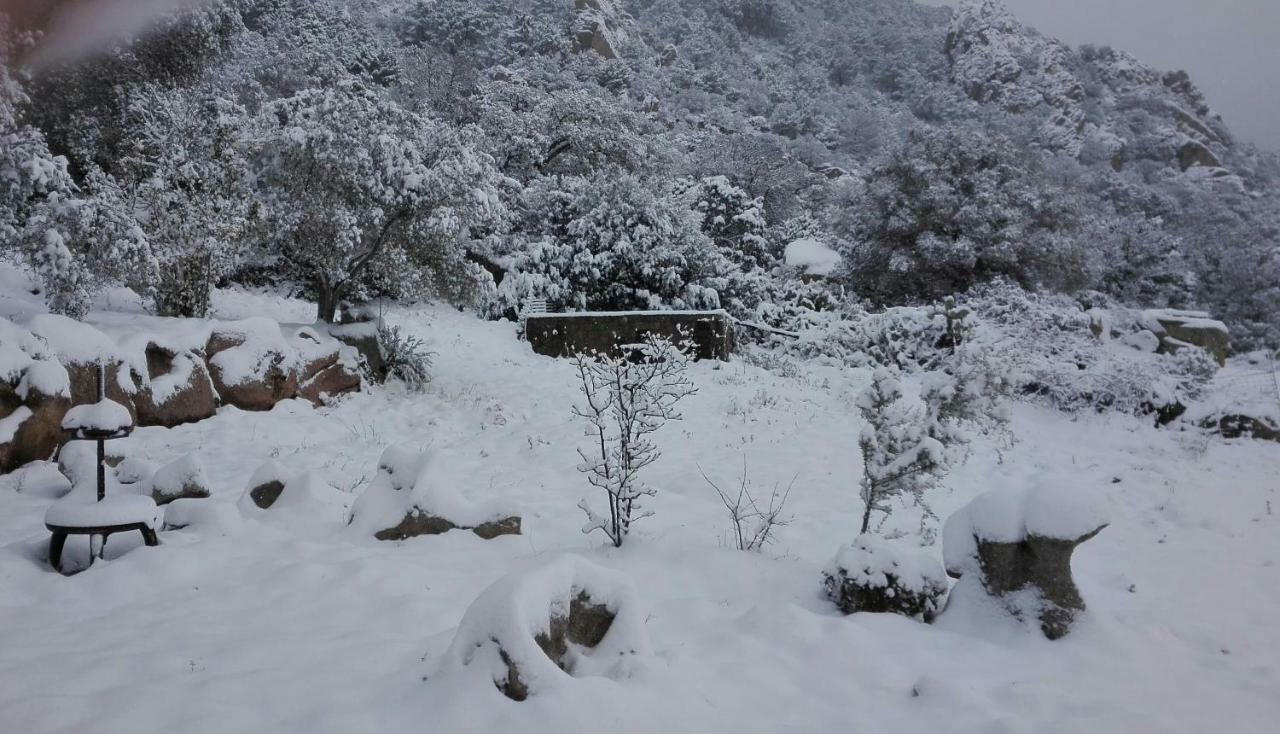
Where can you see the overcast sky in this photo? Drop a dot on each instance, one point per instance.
(1231, 48)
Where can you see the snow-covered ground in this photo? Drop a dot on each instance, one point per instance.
(287, 621)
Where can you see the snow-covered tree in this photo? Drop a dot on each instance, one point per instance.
(899, 456)
(952, 208)
(187, 157)
(359, 190)
(29, 172)
(627, 398)
(81, 241)
(612, 242)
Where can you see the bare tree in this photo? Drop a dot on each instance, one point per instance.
(753, 525)
(627, 399)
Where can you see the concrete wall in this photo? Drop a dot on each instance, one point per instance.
(567, 334)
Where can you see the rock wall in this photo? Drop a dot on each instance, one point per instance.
(50, 366)
(564, 335)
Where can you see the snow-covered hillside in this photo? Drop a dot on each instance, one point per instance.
(290, 621)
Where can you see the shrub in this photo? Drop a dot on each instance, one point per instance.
(877, 575)
(405, 357)
(627, 399)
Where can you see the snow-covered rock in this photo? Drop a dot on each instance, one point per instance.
(217, 518)
(1176, 329)
(308, 501)
(176, 388)
(41, 479)
(532, 631)
(80, 348)
(874, 574)
(265, 486)
(183, 478)
(407, 498)
(1017, 543)
(252, 364)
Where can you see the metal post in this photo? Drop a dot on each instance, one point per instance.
(102, 447)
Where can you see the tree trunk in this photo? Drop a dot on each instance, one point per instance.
(327, 303)
(866, 518)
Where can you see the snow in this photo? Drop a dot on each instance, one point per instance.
(293, 622)
(17, 348)
(74, 342)
(262, 346)
(816, 258)
(41, 479)
(408, 477)
(170, 479)
(1153, 319)
(871, 559)
(104, 416)
(507, 615)
(1048, 507)
(46, 377)
(78, 510)
(10, 424)
(582, 314)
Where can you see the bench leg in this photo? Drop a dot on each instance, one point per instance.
(56, 544)
(149, 536)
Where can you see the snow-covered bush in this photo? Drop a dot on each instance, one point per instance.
(611, 242)
(899, 456)
(405, 356)
(1048, 348)
(626, 399)
(877, 575)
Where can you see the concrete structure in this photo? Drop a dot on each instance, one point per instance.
(568, 334)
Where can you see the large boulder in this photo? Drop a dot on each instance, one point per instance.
(177, 388)
(1178, 329)
(537, 630)
(32, 413)
(81, 349)
(1018, 544)
(251, 363)
(407, 498)
(873, 574)
(363, 337)
(599, 26)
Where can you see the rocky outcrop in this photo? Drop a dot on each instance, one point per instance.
(177, 388)
(1178, 329)
(52, 366)
(31, 414)
(363, 337)
(252, 366)
(599, 26)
